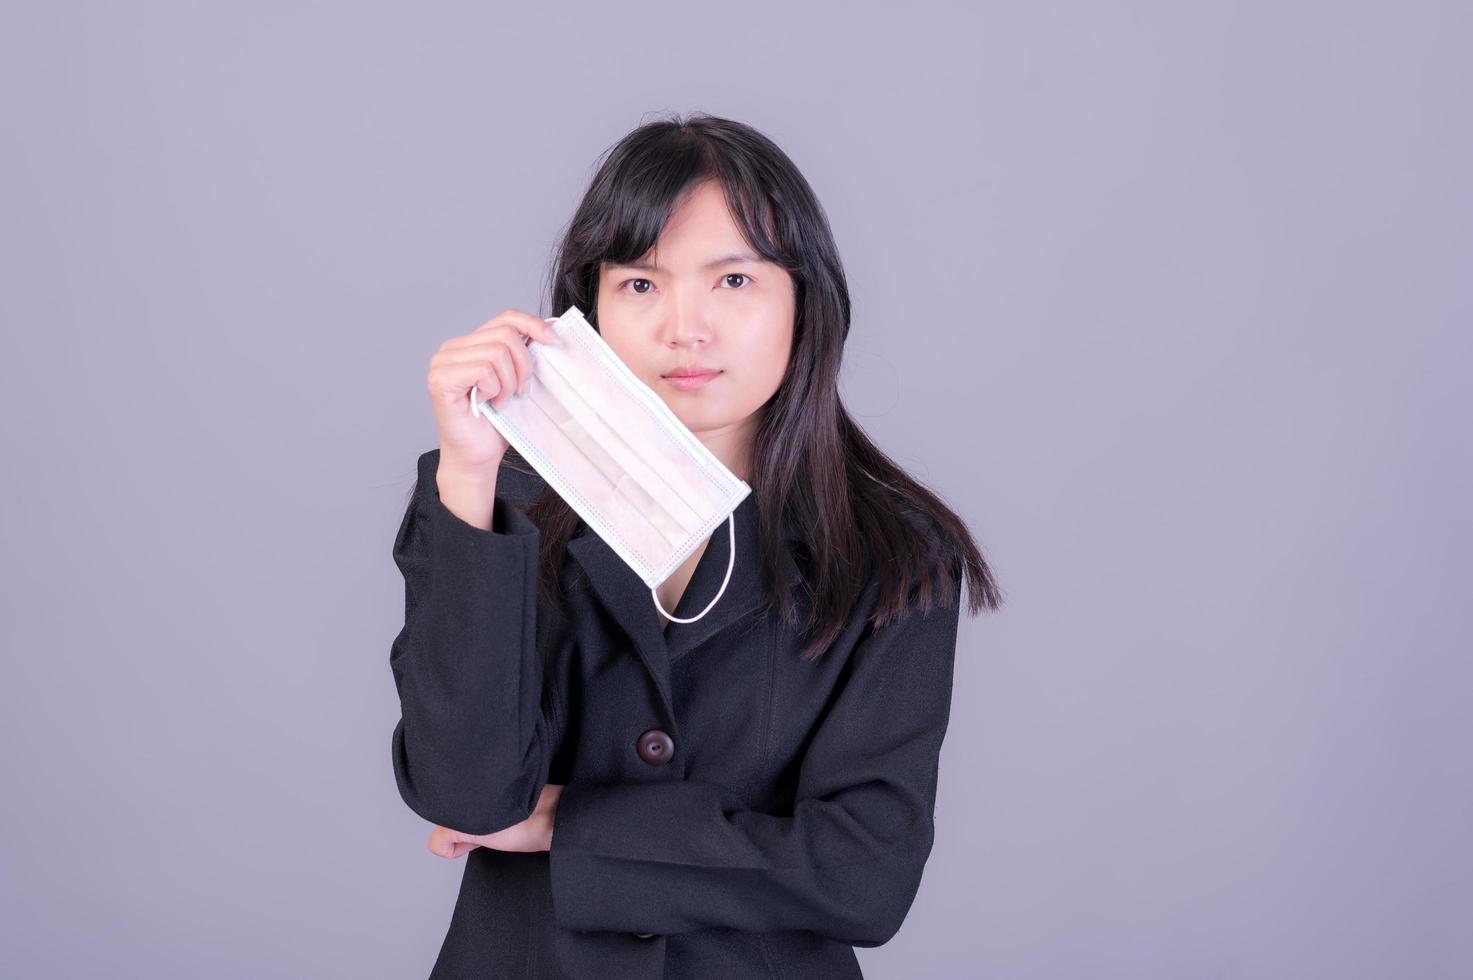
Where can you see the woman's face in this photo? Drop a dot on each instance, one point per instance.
(702, 299)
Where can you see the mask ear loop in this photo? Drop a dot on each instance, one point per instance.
(730, 563)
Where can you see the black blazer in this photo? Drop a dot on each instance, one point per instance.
(730, 812)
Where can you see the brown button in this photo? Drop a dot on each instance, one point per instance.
(655, 747)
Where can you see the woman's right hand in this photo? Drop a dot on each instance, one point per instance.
(494, 358)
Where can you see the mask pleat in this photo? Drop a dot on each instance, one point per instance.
(650, 488)
(547, 423)
(620, 457)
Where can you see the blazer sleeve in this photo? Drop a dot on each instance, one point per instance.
(470, 750)
(666, 857)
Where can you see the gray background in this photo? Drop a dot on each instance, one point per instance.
(1170, 301)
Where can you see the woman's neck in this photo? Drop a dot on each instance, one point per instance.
(733, 445)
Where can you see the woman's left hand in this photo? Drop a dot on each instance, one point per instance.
(532, 834)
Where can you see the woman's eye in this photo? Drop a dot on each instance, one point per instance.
(741, 277)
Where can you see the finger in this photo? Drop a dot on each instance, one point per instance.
(491, 369)
(518, 837)
(442, 842)
(522, 364)
(478, 357)
(502, 362)
(523, 325)
(526, 324)
(450, 844)
(487, 382)
(496, 333)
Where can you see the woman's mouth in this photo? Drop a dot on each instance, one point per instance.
(689, 381)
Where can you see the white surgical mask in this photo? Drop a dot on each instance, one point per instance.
(618, 455)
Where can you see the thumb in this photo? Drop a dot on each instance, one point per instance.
(442, 842)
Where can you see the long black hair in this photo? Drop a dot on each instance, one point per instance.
(860, 514)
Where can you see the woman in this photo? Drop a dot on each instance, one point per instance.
(747, 795)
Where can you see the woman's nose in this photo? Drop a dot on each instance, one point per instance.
(687, 325)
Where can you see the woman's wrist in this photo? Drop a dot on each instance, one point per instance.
(467, 492)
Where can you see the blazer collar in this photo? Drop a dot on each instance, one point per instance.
(629, 602)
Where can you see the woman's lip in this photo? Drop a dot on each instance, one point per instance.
(689, 381)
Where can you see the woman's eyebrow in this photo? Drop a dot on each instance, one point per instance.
(723, 260)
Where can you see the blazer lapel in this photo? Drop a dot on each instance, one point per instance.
(744, 593)
(629, 602)
(624, 595)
